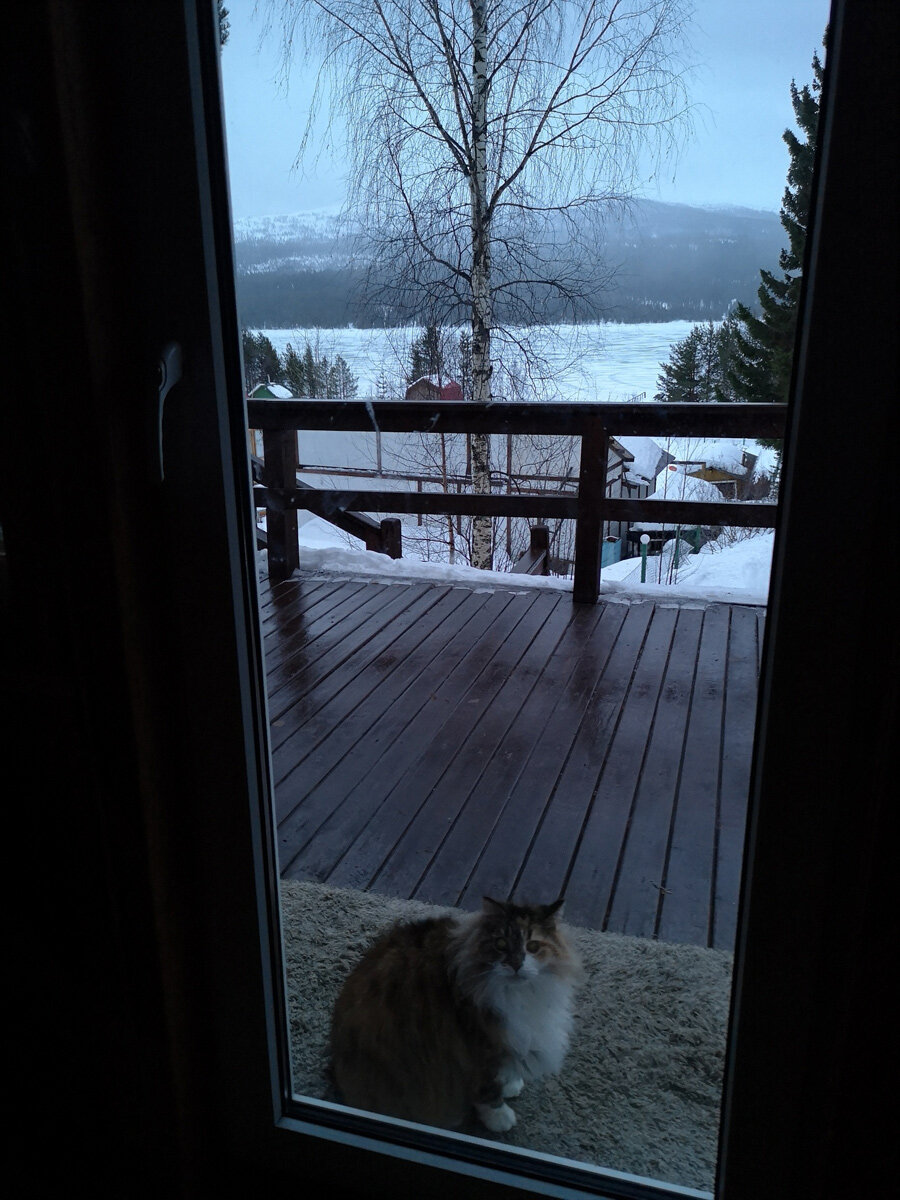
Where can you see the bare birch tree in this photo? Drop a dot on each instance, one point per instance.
(481, 136)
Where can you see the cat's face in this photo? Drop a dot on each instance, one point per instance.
(519, 941)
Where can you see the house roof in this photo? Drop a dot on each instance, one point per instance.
(721, 454)
(623, 452)
(271, 391)
(648, 457)
(675, 483)
(447, 391)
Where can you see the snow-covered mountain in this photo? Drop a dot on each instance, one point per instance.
(669, 262)
(322, 223)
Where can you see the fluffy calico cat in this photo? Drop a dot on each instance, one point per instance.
(446, 1015)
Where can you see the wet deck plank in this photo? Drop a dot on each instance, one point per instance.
(442, 742)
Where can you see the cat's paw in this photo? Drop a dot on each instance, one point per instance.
(512, 1086)
(499, 1119)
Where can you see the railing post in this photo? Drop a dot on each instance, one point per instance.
(540, 544)
(387, 538)
(589, 523)
(280, 473)
(392, 537)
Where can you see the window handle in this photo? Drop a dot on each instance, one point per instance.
(169, 373)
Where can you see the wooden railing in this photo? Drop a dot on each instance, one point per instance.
(383, 536)
(282, 496)
(536, 559)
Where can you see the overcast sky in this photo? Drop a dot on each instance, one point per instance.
(748, 52)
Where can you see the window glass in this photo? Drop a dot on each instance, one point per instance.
(556, 205)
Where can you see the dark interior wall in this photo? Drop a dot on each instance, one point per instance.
(89, 1033)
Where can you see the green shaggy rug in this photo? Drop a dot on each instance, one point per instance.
(640, 1088)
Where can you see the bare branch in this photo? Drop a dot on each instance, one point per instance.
(484, 137)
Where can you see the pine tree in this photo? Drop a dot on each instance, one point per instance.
(261, 361)
(293, 372)
(312, 378)
(224, 23)
(384, 389)
(763, 346)
(426, 356)
(341, 383)
(696, 370)
(313, 383)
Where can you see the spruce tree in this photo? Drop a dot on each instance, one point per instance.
(426, 355)
(261, 361)
(341, 382)
(763, 346)
(313, 383)
(224, 23)
(293, 374)
(695, 372)
(313, 378)
(384, 389)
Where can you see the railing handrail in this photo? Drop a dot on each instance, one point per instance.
(594, 423)
(565, 418)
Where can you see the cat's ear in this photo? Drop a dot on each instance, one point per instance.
(491, 906)
(551, 910)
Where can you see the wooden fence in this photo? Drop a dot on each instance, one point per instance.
(280, 493)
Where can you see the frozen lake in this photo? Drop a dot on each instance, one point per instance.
(586, 362)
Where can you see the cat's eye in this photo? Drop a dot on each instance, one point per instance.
(501, 943)
(533, 947)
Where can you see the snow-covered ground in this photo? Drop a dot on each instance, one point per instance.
(736, 573)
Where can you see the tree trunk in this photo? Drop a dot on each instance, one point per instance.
(482, 550)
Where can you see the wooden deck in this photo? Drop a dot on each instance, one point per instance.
(442, 742)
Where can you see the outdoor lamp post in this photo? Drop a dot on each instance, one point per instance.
(645, 542)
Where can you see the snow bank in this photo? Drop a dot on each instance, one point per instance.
(737, 574)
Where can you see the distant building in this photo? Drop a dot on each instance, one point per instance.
(429, 389)
(727, 465)
(676, 482)
(647, 460)
(270, 391)
(264, 391)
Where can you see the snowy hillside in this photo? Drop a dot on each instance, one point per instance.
(294, 227)
(658, 262)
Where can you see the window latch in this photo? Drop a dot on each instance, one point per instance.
(169, 373)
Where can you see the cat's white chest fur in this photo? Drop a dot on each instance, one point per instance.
(537, 1016)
